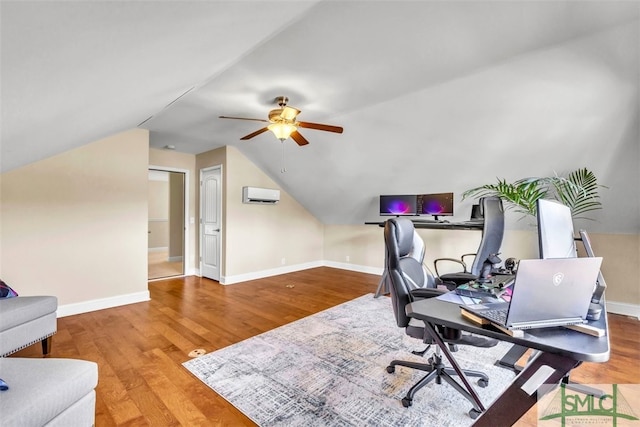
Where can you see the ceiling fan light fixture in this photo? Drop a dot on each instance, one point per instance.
(282, 131)
(284, 124)
(289, 113)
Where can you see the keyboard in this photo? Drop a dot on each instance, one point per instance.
(498, 316)
(474, 293)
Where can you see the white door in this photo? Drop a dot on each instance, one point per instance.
(210, 222)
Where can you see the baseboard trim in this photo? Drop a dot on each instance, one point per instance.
(623, 308)
(354, 267)
(230, 280)
(101, 304)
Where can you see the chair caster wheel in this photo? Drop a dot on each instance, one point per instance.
(406, 402)
(391, 369)
(483, 383)
(474, 413)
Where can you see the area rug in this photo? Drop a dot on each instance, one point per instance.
(329, 369)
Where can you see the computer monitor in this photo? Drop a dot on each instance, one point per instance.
(437, 204)
(398, 205)
(476, 212)
(555, 230)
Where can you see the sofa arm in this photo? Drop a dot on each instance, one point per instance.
(25, 321)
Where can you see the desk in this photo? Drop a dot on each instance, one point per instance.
(561, 350)
(438, 225)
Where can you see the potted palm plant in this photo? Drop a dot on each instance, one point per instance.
(578, 190)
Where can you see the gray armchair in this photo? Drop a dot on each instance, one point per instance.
(25, 321)
(42, 391)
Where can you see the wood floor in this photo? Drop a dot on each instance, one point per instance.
(159, 265)
(140, 347)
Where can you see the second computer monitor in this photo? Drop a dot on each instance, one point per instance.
(436, 204)
(555, 230)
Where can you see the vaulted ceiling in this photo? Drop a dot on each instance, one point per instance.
(434, 96)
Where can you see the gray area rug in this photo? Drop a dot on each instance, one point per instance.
(328, 369)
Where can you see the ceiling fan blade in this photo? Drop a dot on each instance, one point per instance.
(256, 133)
(319, 126)
(289, 113)
(243, 118)
(301, 140)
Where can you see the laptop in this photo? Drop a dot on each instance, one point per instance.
(546, 293)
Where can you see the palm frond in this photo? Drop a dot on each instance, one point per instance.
(578, 190)
(519, 196)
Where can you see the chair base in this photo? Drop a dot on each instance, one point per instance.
(436, 370)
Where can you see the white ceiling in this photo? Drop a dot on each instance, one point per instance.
(434, 96)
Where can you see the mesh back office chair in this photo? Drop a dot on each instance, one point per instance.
(401, 271)
(487, 255)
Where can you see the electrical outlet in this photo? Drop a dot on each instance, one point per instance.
(347, 258)
(283, 261)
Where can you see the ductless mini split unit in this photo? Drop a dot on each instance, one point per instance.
(265, 196)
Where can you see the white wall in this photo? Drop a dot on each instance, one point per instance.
(75, 225)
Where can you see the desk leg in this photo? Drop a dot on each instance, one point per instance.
(526, 389)
(382, 286)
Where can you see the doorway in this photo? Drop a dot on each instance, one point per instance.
(166, 223)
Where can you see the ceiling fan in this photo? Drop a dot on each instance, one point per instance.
(282, 122)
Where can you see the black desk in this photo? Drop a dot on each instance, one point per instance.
(561, 350)
(432, 225)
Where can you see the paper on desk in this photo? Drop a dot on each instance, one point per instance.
(452, 297)
(458, 299)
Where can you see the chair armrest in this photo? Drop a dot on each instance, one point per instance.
(458, 261)
(424, 293)
(466, 256)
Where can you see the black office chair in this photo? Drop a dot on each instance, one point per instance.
(487, 255)
(417, 252)
(403, 273)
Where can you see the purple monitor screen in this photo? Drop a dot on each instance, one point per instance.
(398, 205)
(435, 204)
